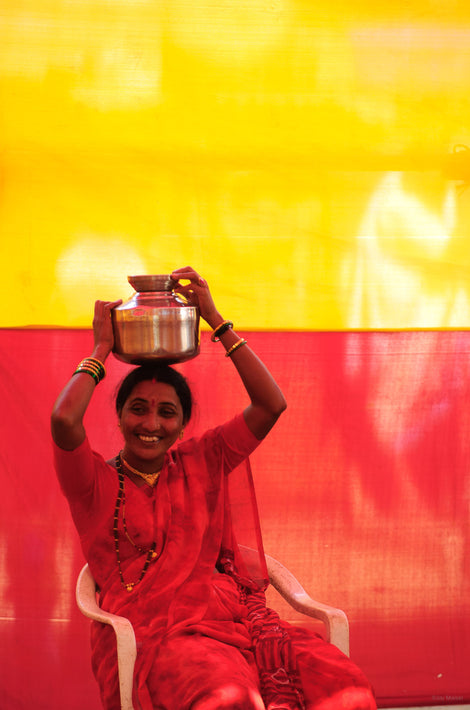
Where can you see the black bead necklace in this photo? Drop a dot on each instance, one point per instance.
(151, 554)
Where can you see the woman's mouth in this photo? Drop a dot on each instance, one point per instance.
(148, 439)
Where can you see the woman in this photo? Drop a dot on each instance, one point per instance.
(161, 526)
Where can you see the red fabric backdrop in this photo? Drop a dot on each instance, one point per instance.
(363, 491)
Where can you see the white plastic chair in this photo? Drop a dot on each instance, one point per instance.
(125, 637)
(334, 620)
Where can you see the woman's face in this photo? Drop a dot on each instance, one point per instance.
(151, 421)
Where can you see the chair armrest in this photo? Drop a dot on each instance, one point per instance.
(335, 620)
(125, 637)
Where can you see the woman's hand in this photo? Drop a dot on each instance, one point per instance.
(197, 293)
(103, 328)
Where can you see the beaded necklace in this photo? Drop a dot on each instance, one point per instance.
(121, 500)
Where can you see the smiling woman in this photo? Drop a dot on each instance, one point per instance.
(155, 523)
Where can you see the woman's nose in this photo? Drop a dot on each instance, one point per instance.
(153, 421)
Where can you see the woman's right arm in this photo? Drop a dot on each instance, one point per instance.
(67, 427)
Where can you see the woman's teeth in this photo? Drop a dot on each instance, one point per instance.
(149, 439)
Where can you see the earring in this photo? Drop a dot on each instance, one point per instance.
(182, 433)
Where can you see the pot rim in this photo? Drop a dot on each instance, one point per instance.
(152, 282)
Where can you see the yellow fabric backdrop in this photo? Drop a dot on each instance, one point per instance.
(291, 151)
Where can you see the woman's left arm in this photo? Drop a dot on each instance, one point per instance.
(266, 399)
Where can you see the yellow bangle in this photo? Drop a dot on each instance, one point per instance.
(235, 346)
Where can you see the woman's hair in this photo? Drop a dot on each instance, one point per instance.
(159, 373)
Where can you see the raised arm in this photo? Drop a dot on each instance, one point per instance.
(267, 400)
(67, 427)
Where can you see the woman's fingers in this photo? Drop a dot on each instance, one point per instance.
(105, 307)
(102, 324)
(188, 273)
(197, 291)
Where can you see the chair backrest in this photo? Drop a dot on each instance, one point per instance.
(335, 620)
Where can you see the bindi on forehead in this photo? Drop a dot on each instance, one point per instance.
(156, 393)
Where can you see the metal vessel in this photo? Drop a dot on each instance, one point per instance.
(156, 324)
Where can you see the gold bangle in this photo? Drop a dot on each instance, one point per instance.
(235, 346)
(93, 361)
(92, 366)
(87, 371)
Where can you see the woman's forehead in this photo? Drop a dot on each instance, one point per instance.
(155, 391)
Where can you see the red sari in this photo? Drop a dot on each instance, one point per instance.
(199, 612)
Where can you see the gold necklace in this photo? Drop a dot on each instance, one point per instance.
(150, 478)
